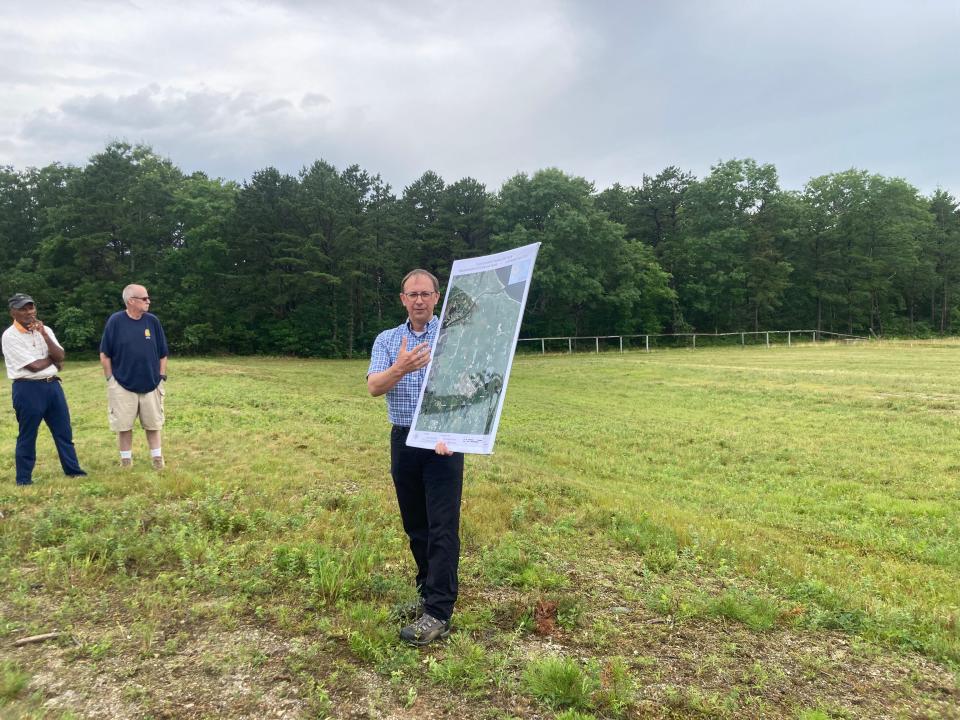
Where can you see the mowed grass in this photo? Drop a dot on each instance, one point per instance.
(832, 472)
(759, 532)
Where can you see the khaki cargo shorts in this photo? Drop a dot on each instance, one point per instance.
(123, 407)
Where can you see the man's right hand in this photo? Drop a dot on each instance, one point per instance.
(38, 326)
(409, 360)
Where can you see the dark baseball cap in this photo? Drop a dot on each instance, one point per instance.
(19, 300)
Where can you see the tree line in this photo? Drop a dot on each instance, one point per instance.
(310, 264)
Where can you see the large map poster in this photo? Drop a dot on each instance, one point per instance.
(461, 401)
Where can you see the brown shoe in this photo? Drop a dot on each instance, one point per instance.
(126, 462)
(158, 463)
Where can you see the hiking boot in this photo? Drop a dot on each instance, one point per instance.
(425, 630)
(126, 462)
(407, 612)
(158, 462)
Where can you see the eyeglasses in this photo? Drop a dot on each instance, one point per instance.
(422, 295)
(145, 299)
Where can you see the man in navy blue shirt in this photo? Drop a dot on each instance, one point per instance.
(133, 353)
(429, 483)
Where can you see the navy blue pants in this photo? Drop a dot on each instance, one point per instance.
(35, 401)
(429, 487)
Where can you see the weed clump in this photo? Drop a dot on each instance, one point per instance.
(514, 563)
(657, 544)
(574, 715)
(616, 693)
(331, 573)
(754, 611)
(12, 681)
(465, 666)
(560, 683)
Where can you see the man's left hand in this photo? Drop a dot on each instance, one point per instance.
(441, 449)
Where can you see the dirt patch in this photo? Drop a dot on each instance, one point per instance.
(208, 664)
(239, 674)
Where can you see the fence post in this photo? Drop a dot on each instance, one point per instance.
(570, 345)
(743, 341)
(598, 344)
(788, 339)
(768, 339)
(694, 341)
(543, 346)
(621, 344)
(646, 341)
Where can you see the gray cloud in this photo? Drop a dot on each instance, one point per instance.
(606, 90)
(312, 100)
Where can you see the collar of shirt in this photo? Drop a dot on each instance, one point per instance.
(20, 328)
(426, 330)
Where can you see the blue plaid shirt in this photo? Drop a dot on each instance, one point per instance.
(402, 397)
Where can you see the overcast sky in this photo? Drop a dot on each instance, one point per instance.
(606, 90)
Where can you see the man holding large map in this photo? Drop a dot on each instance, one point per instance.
(429, 482)
(466, 380)
(445, 382)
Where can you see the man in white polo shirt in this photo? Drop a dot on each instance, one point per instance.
(34, 358)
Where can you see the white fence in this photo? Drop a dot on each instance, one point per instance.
(690, 339)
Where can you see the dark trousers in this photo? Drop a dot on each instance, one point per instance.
(429, 487)
(35, 401)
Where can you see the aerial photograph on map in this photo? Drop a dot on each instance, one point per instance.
(474, 350)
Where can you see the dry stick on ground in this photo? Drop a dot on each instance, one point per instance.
(37, 638)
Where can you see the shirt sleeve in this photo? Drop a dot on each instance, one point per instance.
(106, 342)
(54, 337)
(380, 355)
(162, 349)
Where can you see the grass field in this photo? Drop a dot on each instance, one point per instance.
(729, 533)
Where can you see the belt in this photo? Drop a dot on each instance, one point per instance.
(55, 378)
